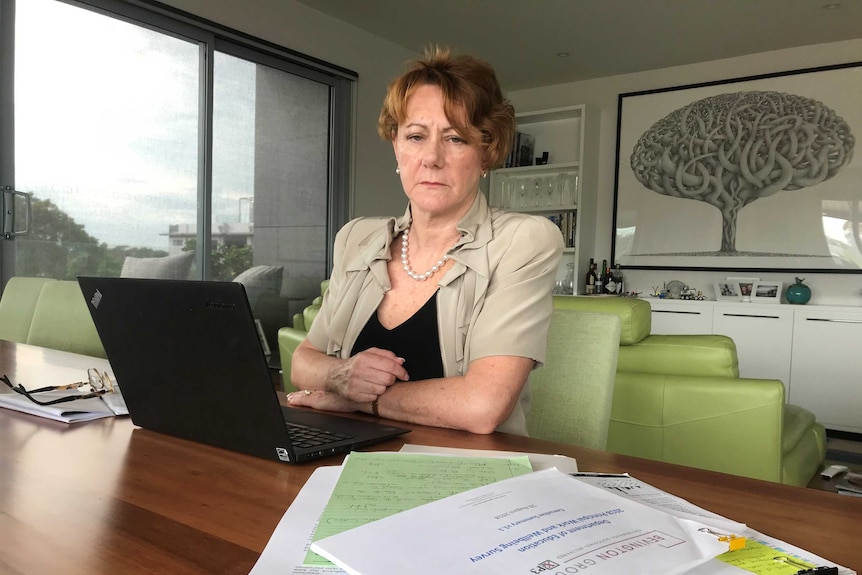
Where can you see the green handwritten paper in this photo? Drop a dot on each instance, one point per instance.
(379, 484)
(761, 559)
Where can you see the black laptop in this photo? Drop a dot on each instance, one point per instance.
(189, 362)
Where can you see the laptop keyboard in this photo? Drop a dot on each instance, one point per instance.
(305, 436)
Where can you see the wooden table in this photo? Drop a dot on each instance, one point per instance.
(106, 497)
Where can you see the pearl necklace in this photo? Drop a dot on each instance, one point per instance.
(405, 263)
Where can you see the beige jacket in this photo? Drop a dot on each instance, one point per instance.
(495, 299)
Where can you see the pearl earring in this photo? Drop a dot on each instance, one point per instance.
(484, 174)
(397, 170)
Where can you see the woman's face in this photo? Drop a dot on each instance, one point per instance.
(440, 171)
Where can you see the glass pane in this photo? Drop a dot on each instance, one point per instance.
(270, 186)
(106, 141)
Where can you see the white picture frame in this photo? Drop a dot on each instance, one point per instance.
(746, 285)
(727, 291)
(767, 292)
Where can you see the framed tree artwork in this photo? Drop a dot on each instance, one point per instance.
(750, 174)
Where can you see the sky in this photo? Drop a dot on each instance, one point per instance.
(106, 124)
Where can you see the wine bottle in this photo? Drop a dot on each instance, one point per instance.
(619, 280)
(591, 279)
(610, 284)
(602, 278)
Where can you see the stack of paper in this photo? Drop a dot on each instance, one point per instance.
(108, 405)
(377, 485)
(537, 522)
(540, 522)
(850, 484)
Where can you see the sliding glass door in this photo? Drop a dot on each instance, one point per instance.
(106, 139)
(134, 144)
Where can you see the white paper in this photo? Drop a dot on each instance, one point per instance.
(531, 523)
(718, 567)
(68, 412)
(289, 543)
(538, 461)
(286, 549)
(644, 493)
(32, 365)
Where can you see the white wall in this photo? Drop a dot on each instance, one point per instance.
(376, 189)
(602, 94)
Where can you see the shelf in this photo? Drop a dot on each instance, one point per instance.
(544, 168)
(544, 209)
(549, 115)
(570, 137)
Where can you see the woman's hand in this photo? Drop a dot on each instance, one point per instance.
(366, 375)
(325, 400)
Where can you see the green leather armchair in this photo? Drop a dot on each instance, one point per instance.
(679, 399)
(289, 338)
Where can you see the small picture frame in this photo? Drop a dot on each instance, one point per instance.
(767, 292)
(727, 291)
(746, 285)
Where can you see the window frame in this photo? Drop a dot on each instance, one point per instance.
(210, 37)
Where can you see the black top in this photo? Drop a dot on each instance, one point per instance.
(416, 340)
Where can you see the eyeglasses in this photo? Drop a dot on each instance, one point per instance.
(98, 383)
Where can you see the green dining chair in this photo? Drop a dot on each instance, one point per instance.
(573, 392)
(16, 307)
(62, 321)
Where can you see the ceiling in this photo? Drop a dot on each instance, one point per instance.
(522, 38)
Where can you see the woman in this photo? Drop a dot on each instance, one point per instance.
(436, 317)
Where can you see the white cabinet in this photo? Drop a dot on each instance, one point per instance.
(827, 366)
(570, 136)
(680, 317)
(763, 336)
(816, 351)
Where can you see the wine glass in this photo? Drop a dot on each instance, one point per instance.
(522, 194)
(569, 281)
(566, 191)
(573, 188)
(506, 193)
(549, 189)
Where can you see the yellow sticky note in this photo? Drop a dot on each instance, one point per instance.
(761, 559)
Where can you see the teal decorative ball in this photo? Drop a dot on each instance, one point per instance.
(798, 293)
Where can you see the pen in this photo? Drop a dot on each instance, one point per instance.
(806, 570)
(589, 474)
(819, 571)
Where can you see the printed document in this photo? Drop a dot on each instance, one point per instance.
(287, 547)
(538, 461)
(379, 484)
(532, 523)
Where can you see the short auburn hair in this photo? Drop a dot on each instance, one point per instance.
(471, 93)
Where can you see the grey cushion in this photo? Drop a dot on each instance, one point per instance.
(176, 267)
(260, 281)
